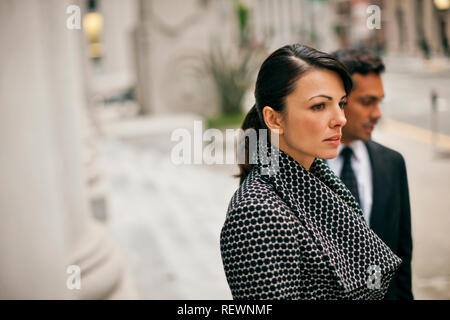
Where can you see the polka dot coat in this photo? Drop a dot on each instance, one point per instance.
(298, 234)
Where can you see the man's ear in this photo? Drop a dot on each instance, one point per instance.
(273, 119)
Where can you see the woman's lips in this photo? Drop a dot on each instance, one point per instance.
(333, 142)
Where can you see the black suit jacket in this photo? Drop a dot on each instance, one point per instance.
(390, 216)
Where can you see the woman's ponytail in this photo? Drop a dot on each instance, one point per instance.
(253, 120)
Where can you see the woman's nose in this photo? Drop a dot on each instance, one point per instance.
(338, 118)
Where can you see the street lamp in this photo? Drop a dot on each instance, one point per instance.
(93, 25)
(442, 4)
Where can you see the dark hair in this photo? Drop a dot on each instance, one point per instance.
(277, 79)
(359, 61)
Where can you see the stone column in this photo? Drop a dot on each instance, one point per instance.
(409, 9)
(448, 24)
(431, 27)
(169, 43)
(142, 39)
(119, 20)
(392, 34)
(46, 221)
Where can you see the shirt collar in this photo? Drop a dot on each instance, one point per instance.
(357, 147)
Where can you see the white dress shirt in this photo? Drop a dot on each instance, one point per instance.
(360, 161)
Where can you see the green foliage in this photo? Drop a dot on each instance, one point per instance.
(232, 75)
(243, 13)
(232, 70)
(230, 120)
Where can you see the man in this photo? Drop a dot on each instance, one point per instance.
(376, 175)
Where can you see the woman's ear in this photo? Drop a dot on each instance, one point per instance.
(273, 119)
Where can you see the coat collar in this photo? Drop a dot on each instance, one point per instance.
(319, 174)
(330, 213)
(357, 147)
(381, 184)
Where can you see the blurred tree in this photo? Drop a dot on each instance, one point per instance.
(243, 13)
(232, 70)
(232, 74)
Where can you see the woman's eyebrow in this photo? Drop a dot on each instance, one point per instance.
(327, 97)
(321, 95)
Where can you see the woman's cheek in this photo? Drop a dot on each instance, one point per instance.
(312, 126)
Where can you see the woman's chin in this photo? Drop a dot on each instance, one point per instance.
(328, 154)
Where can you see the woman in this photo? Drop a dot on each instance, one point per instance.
(297, 232)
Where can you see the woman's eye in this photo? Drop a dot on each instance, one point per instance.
(343, 104)
(318, 106)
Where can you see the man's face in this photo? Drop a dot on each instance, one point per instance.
(363, 109)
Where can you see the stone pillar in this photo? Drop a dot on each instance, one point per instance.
(447, 17)
(409, 9)
(170, 42)
(120, 18)
(46, 221)
(392, 34)
(325, 18)
(431, 27)
(142, 39)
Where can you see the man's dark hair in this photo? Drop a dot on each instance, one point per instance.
(359, 61)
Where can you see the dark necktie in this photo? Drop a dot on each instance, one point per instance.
(347, 173)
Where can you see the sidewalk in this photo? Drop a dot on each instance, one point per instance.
(429, 186)
(409, 84)
(167, 218)
(411, 63)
